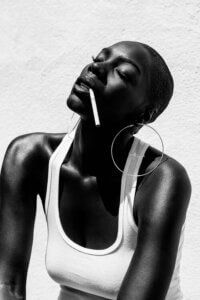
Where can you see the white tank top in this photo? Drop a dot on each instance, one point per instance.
(91, 274)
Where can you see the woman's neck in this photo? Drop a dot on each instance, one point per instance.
(91, 151)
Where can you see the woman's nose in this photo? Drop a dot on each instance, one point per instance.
(99, 69)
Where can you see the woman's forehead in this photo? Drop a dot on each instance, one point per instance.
(132, 50)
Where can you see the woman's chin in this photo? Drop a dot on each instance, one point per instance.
(76, 105)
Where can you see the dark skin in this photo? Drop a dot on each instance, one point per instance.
(161, 198)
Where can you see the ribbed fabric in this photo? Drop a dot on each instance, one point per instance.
(90, 274)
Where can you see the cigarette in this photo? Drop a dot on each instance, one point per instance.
(94, 108)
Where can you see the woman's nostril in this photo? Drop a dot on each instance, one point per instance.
(98, 71)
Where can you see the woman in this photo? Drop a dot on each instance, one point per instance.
(110, 235)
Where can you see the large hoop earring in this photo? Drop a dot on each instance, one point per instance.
(129, 126)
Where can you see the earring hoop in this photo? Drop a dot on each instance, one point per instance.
(129, 126)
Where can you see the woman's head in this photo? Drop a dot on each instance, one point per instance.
(131, 83)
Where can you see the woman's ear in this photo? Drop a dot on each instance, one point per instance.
(146, 117)
(150, 115)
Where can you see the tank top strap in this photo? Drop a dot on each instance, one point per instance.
(137, 153)
(56, 160)
(136, 156)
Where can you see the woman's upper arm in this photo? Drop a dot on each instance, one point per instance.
(161, 215)
(18, 191)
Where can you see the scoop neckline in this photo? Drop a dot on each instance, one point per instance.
(120, 212)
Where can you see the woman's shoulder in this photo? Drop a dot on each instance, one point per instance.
(167, 180)
(28, 151)
(166, 188)
(164, 195)
(165, 165)
(174, 174)
(33, 144)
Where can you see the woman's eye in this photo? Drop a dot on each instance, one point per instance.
(122, 75)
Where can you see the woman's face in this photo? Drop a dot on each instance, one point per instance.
(119, 77)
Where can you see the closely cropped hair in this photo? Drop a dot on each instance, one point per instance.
(162, 83)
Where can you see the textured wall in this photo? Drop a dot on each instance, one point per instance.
(45, 44)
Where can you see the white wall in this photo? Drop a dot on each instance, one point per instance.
(43, 47)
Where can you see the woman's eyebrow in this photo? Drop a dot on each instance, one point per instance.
(123, 58)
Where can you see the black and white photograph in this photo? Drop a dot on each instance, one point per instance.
(99, 151)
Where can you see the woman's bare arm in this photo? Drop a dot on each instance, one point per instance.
(161, 214)
(18, 191)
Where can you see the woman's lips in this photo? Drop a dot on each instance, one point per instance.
(81, 88)
(82, 85)
(90, 80)
(86, 82)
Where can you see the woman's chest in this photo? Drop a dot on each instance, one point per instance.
(89, 208)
